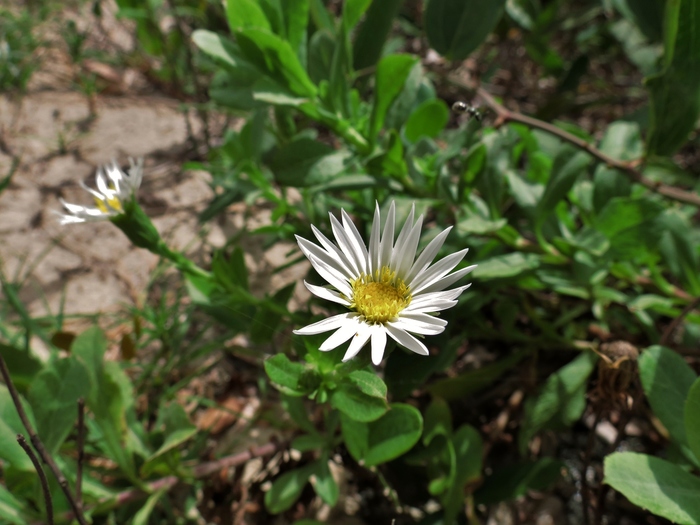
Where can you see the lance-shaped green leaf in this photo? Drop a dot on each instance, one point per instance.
(455, 28)
(692, 418)
(656, 485)
(54, 395)
(675, 93)
(667, 379)
(392, 72)
(275, 57)
(561, 400)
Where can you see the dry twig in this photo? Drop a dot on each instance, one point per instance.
(629, 168)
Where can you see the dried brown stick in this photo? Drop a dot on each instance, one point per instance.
(42, 476)
(630, 168)
(200, 471)
(39, 446)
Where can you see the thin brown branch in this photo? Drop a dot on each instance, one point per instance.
(42, 477)
(39, 446)
(200, 471)
(629, 168)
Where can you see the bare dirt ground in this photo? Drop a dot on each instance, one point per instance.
(60, 136)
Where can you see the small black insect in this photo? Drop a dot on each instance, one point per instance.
(463, 107)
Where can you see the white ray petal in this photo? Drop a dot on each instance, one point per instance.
(443, 295)
(356, 240)
(437, 271)
(407, 340)
(347, 330)
(403, 234)
(310, 249)
(416, 327)
(102, 185)
(449, 280)
(327, 294)
(378, 344)
(346, 245)
(324, 325)
(331, 275)
(424, 318)
(386, 245)
(430, 307)
(405, 254)
(332, 249)
(374, 242)
(358, 341)
(94, 193)
(427, 255)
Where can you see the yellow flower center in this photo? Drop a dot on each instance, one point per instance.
(379, 298)
(113, 202)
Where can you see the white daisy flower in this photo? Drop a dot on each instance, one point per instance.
(114, 188)
(387, 290)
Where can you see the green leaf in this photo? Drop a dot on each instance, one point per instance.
(568, 166)
(666, 379)
(308, 442)
(216, 46)
(177, 429)
(393, 434)
(428, 120)
(90, 347)
(355, 436)
(677, 246)
(110, 398)
(385, 439)
(656, 485)
(360, 398)
(455, 28)
(291, 377)
(438, 420)
(560, 402)
(23, 366)
(12, 510)
(321, 51)
(296, 13)
(648, 15)
(323, 482)
(243, 14)
(275, 57)
(392, 72)
(479, 225)
(353, 11)
(468, 448)
(306, 162)
(54, 395)
(141, 517)
(630, 224)
(369, 382)
(286, 489)
(508, 265)
(294, 406)
(372, 34)
(675, 93)
(623, 141)
(10, 426)
(467, 383)
(511, 482)
(692, 418)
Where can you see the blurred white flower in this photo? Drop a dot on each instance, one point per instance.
(387, 290)
(114, 189)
